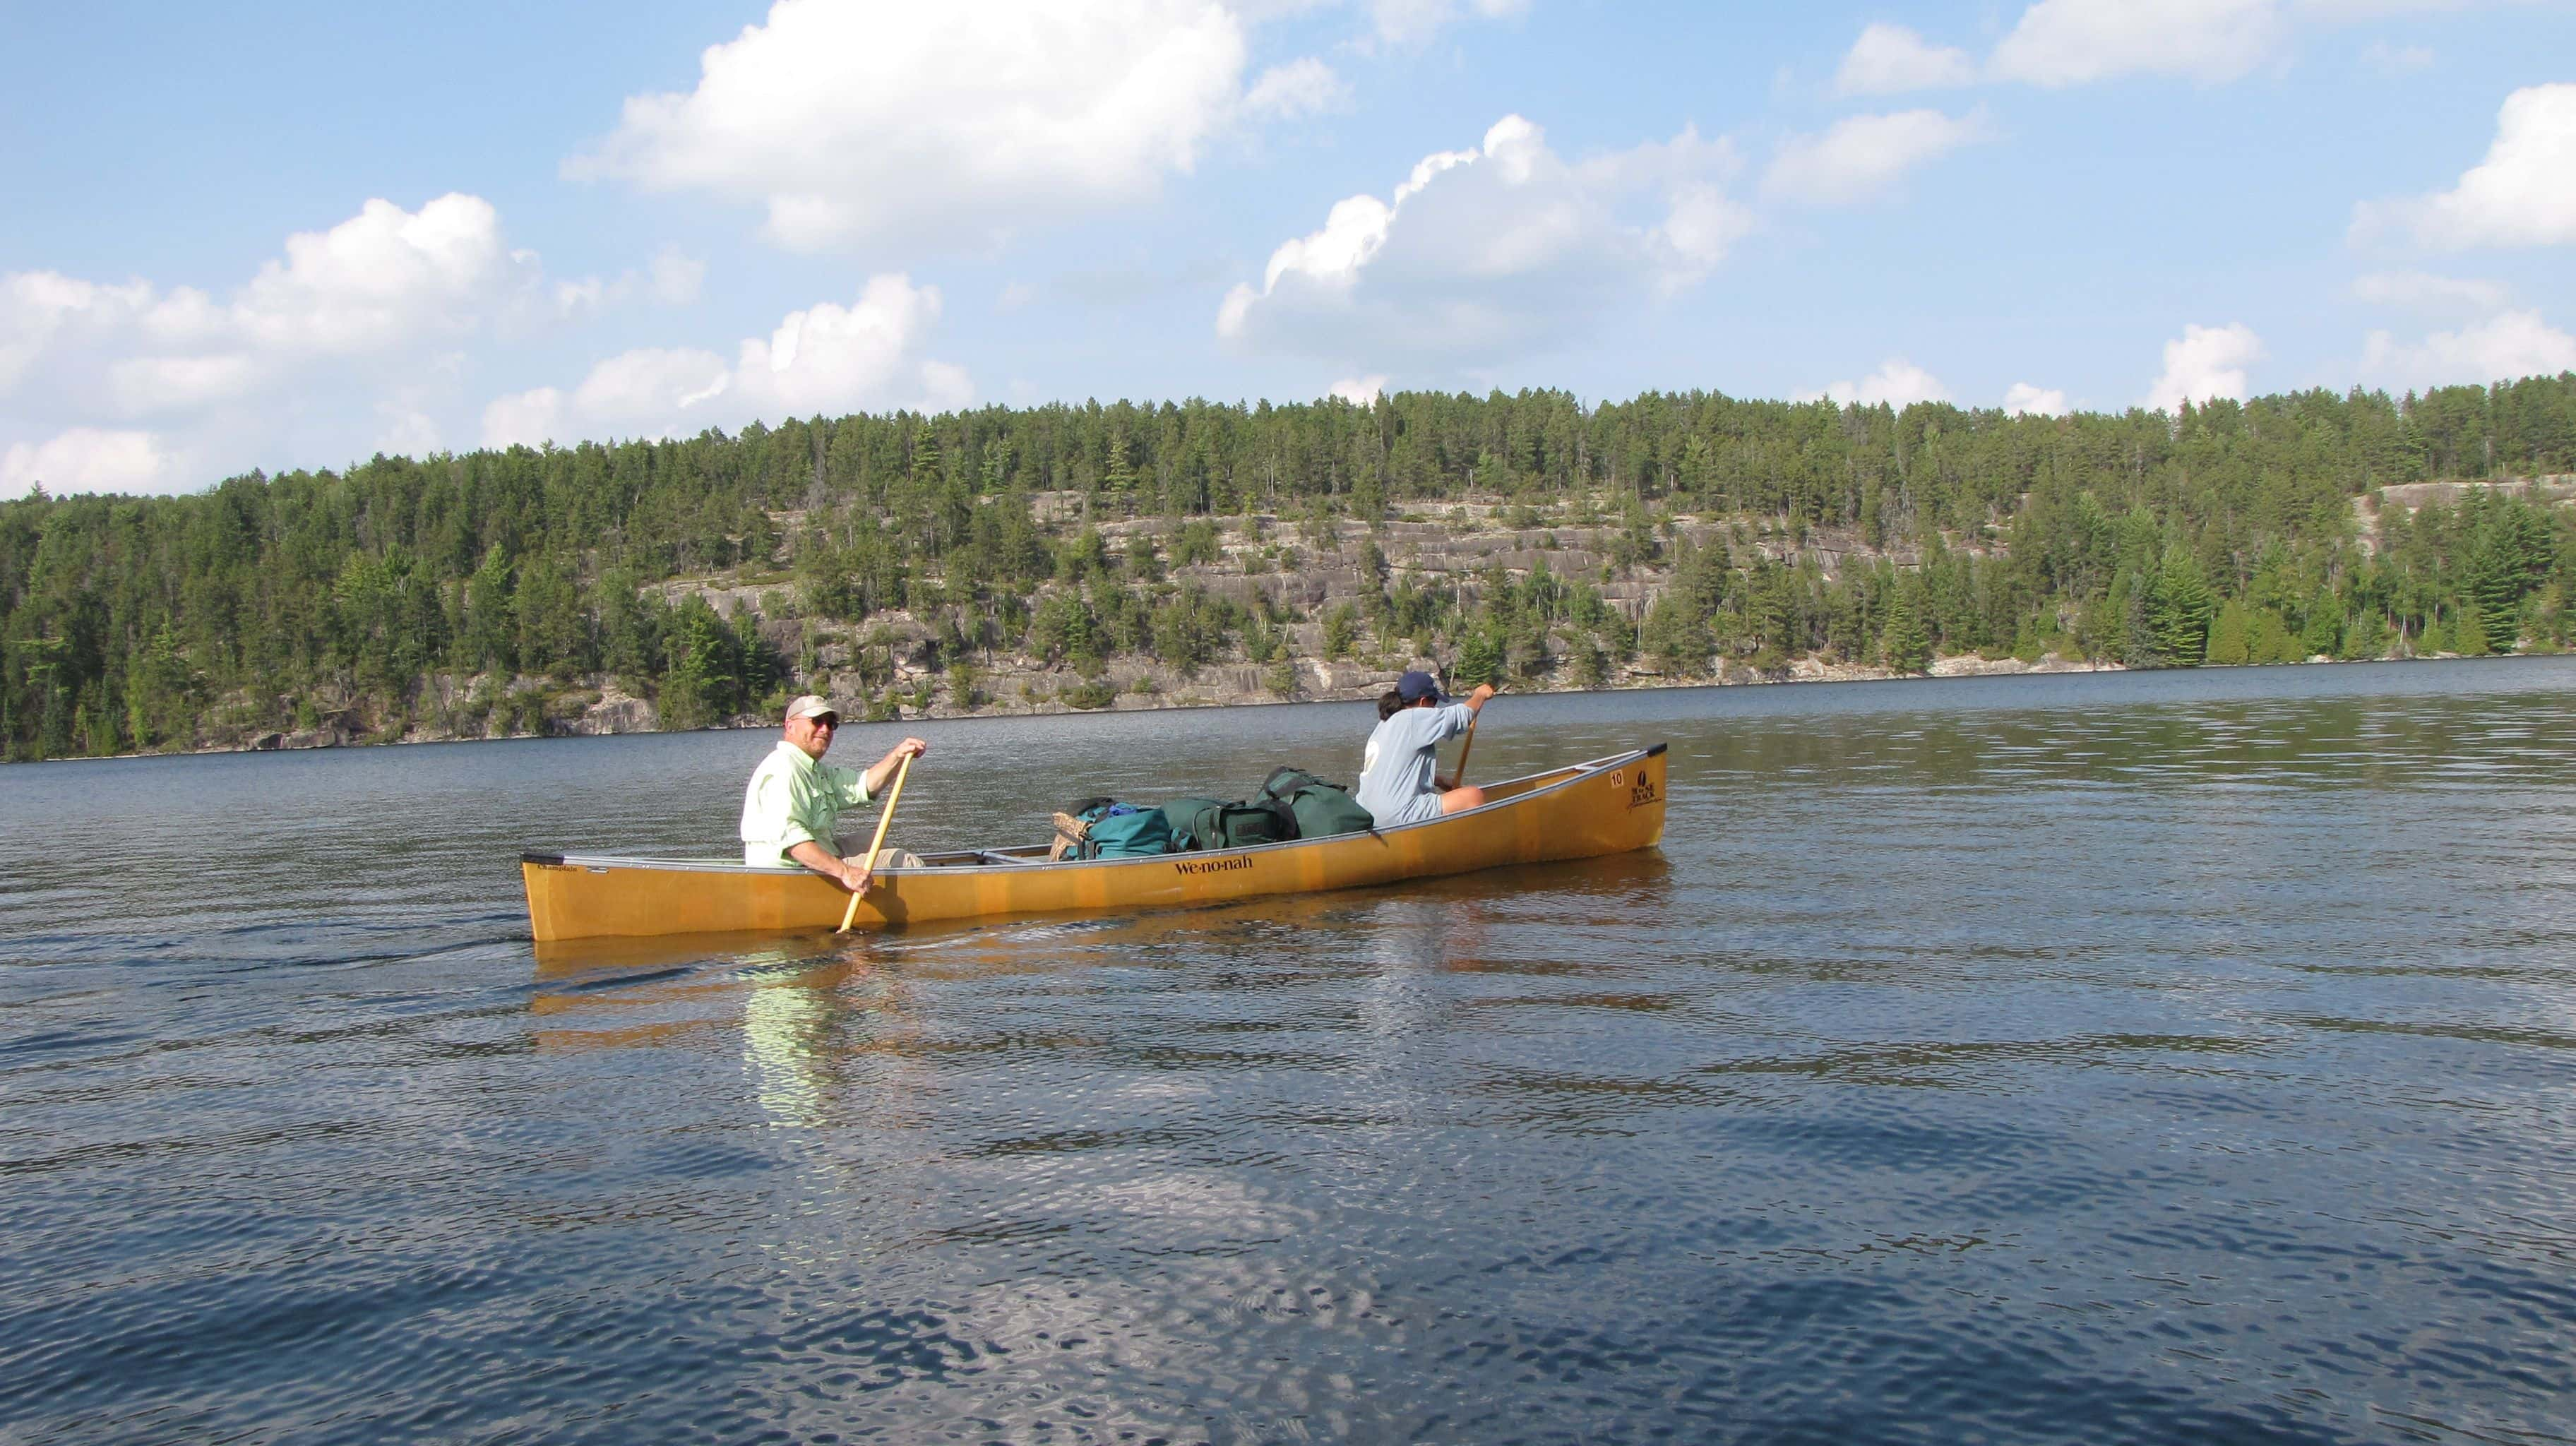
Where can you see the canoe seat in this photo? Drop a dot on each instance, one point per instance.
(996, 856)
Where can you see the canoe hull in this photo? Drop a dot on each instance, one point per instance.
(1608, 806)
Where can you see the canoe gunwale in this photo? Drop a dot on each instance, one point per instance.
(1561, 777)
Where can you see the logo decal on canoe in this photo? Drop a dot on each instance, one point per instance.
(1214, 866)
(1644, 793)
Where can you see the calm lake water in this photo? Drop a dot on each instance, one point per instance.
(2153, 1058)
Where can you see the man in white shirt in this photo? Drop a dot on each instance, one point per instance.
(791, 809)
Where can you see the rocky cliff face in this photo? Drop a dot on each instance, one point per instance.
(1301, 570)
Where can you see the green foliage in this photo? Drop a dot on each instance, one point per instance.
(2432, 638)
(1196, 545)
(1587, 667)
(2179, 607)
(2271, 640)
(2231, 636)
(1191, 628)
(1906, 645)
(1341, 629)
(1676, 635)
(2469, 632)
(1280, 678)
(705, 683)
(145, 622)
(1479, 661)
(2324, 632)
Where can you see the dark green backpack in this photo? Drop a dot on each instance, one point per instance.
(1321, 809)
(1206, 823)
(1183, 815)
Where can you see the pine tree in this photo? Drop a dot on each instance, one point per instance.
(2324, 632)
(2179, 607)
(2231, 635)
(1480, 660)
(1906, 645)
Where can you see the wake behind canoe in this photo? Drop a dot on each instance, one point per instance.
(1607, 806)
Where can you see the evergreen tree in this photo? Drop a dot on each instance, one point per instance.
(1906, 644)
(704, 684)
(2231, 636)
(2179, 608)
(2324, 631)
(1479, 661)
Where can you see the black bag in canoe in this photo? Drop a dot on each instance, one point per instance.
(1210, 824)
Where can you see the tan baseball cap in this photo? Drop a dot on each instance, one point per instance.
(811, 706)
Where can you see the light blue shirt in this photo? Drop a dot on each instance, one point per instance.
(1403, 757)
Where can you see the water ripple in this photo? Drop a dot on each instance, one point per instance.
(2112, 1059)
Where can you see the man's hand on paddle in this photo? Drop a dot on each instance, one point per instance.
(882, 771)
(854, 875)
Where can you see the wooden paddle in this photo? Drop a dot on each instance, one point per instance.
(901, 771)
(1458, 775)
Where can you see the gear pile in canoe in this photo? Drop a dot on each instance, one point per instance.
(1606, 806)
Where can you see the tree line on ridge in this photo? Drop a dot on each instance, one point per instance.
(1744, 533)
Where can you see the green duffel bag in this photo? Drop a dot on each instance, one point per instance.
(1214, 825)
(1321, 809)
(1183, 814)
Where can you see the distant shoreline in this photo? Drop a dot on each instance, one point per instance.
(1979, 670)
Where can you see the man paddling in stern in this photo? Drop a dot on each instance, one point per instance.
(791, 811)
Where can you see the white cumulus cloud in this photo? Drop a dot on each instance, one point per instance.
(854, 120)
(383, 276)
(1897, 382)
(2508, 347)
(383, 279)
(2028, 400)
(1863, 157)
(88, 459)
(2205, 362)
(1888, 59)
(1360, 391)
(1488, 254)
(2072, 42)
(134, 384)
(826, 358)
(2522, 194)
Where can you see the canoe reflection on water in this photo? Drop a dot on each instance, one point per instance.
(613, 992)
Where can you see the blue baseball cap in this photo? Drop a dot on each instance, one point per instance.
(1416, 686)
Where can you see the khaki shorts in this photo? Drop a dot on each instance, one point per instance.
(891, 858)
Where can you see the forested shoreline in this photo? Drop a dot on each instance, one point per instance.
(905, 563)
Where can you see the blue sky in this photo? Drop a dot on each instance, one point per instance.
(300, 236)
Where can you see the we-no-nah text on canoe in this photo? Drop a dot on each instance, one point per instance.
(1211, 866)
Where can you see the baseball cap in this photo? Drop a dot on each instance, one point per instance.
(811, 706)
(1416, 686)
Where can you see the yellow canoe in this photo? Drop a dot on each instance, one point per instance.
(1606, 806)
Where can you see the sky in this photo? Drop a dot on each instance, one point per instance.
(300, 235)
